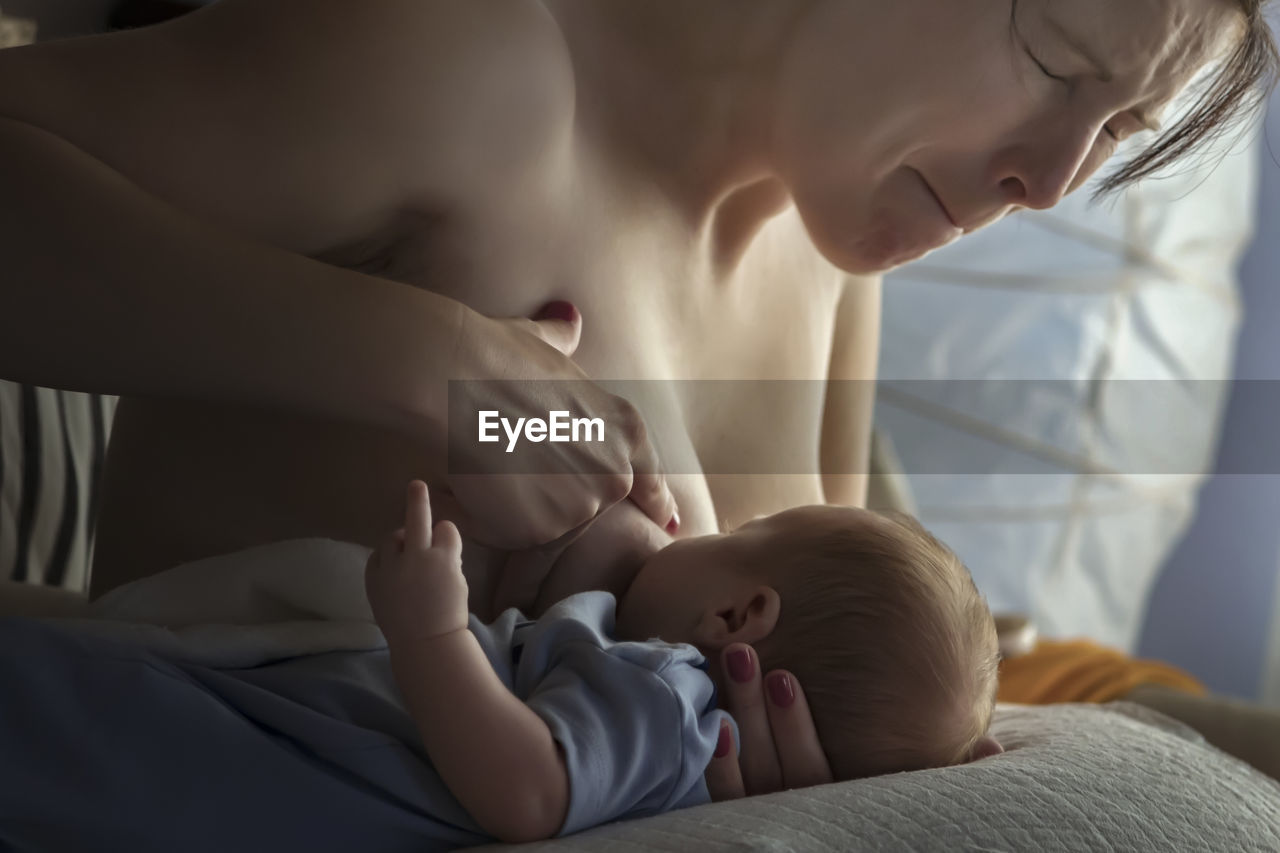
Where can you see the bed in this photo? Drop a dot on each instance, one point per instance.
(1073, 777)
(1114, 777)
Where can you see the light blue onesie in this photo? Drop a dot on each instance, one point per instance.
(105, 745)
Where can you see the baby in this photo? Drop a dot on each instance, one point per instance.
(594, 713)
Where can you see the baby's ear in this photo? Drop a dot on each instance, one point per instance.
(747, 616)
(757, 614)
(986, 747)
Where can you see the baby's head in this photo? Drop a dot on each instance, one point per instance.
(880, 622)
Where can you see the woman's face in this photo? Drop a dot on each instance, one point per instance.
(902, 124)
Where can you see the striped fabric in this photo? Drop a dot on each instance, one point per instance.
(52, 447)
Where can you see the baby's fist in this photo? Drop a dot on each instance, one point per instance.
(414, 577)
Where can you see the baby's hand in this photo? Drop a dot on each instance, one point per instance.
(414, 578)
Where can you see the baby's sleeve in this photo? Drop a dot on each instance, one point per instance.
(637, 725)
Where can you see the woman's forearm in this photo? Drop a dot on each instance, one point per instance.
(111, 290)
(496, 755)
(1249, 732)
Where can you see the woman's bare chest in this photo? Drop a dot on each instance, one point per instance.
(654, 306)
(726, 365)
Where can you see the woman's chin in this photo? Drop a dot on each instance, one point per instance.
(882, 253)
(867, 249)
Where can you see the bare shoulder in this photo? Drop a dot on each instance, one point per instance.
(474, 78)
(519, 70)
(296, 119)
(466, 88)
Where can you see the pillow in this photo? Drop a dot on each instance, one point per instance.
(1075, 777)
(52, 447)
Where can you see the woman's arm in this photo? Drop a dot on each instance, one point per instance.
(163, 185)
(495, 754)
(162, 188)
(847, 413)
(1249, 732)
(111, 290)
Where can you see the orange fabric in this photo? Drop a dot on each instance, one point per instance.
(1081, 671)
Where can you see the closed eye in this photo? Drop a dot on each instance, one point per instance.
(1026, 48)
(1111, 133)
(1044, 70)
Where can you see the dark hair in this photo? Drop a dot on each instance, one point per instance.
(1238, 87)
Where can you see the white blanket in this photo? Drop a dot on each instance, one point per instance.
(303, 596)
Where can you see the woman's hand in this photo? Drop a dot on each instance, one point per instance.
(780, 748)
(546, 496)
(414, 577)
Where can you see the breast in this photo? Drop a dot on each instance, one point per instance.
(436, 250)
(188, 480)
(730, 373)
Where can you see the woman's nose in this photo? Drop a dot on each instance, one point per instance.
(1038, 173)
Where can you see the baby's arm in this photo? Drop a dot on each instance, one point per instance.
(496, 755)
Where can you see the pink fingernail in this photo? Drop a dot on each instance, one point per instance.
(780, 690)
(725, 741)
(674, 524)
(740, 668)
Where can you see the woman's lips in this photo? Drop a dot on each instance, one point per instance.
(938, 201)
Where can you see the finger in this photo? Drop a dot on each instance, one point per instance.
(799, 753)
(559, 324)
(446, 538)
(649, 489)
(723, 776)
(761, 773)
(417, 517)
(525, 570)
(392, 543)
